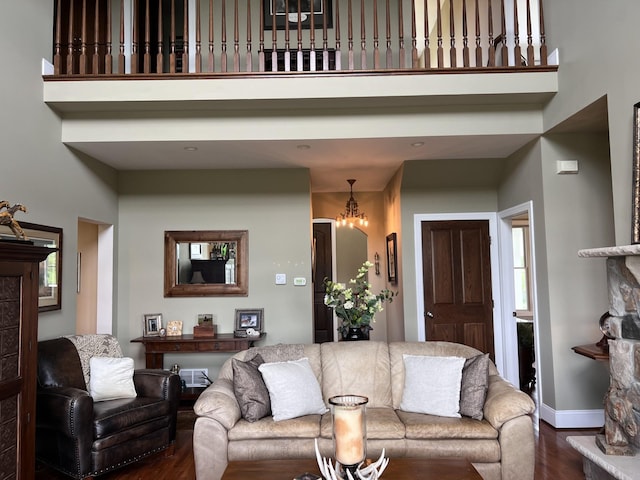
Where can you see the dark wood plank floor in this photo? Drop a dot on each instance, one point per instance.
(555, 459)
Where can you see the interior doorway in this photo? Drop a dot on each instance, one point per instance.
(94, 282)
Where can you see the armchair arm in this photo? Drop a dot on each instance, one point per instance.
(65, 409)
(154, 383)
(504, 402)
(219, 403)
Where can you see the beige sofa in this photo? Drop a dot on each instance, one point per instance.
(501, 445)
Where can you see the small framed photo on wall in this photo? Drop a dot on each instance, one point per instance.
(392, 253)
(152, 324)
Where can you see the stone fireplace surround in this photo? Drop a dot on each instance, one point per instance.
(614, 453)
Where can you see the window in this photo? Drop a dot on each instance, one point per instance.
(521, 269)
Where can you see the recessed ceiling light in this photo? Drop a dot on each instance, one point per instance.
(303, 147)
(417, 144)
(191, 149)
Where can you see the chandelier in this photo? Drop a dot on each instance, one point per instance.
(352, 214)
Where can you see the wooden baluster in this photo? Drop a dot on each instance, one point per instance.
(198, 39)
(338, 53)
(530, 56)
(95, 60)
(261, 46)
(212, 56)
(70, 42)
(121, 57)
(312, 39)
(83, 45)
(452, 34)
(134, 38)
(505, 51)
(249, 55)
(325, 37)
(492, 48)
(147, 39)
(160, 54)
(517, 54)
(401, 50)
(274, 38)
(185, 38)
(439, 25)
(478, 37)
(389, 58)
(299, 59)
(465, 39)
(287, 52)
(172, 40)
(350, 34)
(427, 43)
(223, 53)
(108, 57)
(363, 37)
(58, 43)
(543, 39)
(414, 41)
(236, 38)
(376, 41)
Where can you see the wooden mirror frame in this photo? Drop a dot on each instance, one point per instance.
(173, 289)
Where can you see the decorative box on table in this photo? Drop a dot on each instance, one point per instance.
(205, 330)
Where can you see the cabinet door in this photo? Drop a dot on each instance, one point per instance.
(17, 387)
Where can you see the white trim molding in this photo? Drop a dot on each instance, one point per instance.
(572, 418)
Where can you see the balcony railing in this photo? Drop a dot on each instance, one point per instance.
(164, 37)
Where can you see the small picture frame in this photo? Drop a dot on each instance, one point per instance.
(249, 318)
(392, 253)
(174, 328)
(205, 319)
(152, 324)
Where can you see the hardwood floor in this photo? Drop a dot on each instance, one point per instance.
(555, 459)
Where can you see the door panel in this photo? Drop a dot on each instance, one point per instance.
(457, 283)
(322, 268)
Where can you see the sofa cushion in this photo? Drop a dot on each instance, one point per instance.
(475, 382)
(250, 390)
(293, 389)
(111, 378)
(382, 423)
(421, 426)
(357, 368)
(432, 385)
(307, 426)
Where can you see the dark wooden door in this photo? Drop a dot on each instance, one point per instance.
(457, 283)
(322, 268)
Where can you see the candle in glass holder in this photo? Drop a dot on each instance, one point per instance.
(349, 429)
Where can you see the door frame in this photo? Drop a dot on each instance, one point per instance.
(494, 252)
(511, 372)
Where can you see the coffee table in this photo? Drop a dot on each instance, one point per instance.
(398, 469)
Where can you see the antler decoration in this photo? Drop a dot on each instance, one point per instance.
(6, 218)
(330, 470)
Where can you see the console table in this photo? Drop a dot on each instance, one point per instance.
(156, 347)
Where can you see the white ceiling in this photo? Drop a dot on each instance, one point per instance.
(372, 162)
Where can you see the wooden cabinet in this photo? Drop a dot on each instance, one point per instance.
(19, 268)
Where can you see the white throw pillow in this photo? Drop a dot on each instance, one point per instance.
(111, 378)
(432, 385)
(293, 389)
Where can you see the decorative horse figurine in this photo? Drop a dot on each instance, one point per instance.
(6, 218)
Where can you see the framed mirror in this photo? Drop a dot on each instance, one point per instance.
(206, 263)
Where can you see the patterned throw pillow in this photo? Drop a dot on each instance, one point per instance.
(250, 390)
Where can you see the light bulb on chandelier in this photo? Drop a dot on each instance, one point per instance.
(352, 214)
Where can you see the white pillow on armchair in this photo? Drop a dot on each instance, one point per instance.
(111, 378)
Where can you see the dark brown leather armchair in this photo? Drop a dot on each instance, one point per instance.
(82, 438)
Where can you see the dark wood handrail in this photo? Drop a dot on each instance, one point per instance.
(83, 37)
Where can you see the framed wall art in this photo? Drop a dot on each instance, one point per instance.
(50, 277)
(392, 253)
(249, 319)
(310, 10)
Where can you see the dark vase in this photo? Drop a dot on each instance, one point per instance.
(354, 334)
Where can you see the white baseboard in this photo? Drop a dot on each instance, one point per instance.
(572, 418)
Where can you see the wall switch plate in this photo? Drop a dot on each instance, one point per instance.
(281, 278)
(299, 281)
(566, 166)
